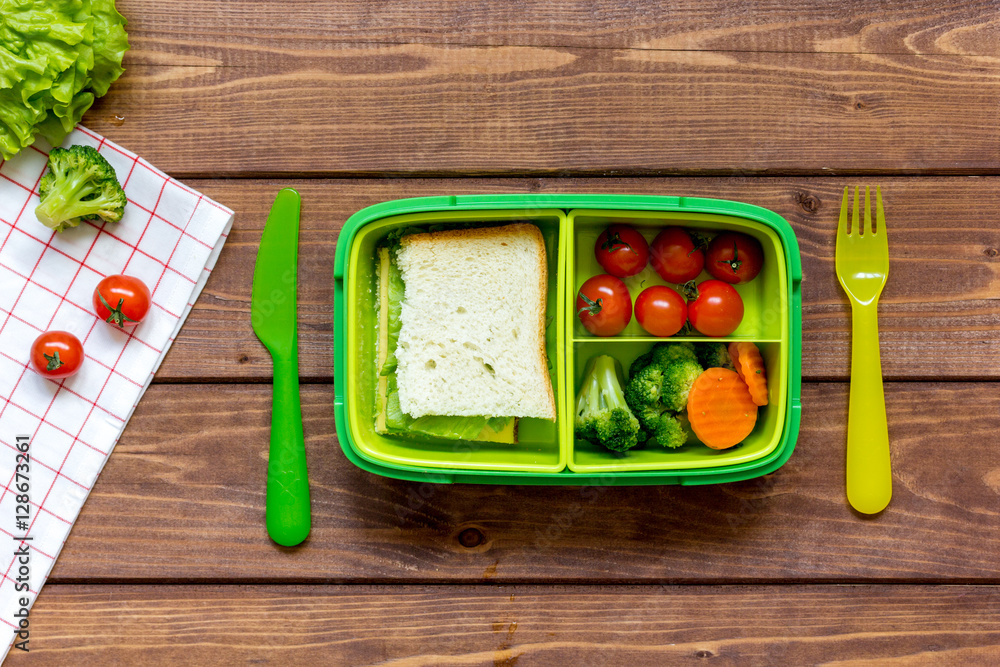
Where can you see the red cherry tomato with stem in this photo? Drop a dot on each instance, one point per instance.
(717, 310)
(675, 256)
(57, 354)
(621, 251)
(660, 310)
(604, 305)
(121, 300)
(734, 257)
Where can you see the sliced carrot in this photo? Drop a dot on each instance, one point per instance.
(734, 356)
(750, 366)
(720, 409)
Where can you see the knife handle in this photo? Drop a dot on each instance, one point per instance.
(288, 506)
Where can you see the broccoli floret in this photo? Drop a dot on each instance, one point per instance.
(659, 388)
(713, 355)
(663, 425)
(670, 432)
(602, 415)
(79, 185)
(641, 362)
(678, 378)
(661, 355)
(664, 353)
(666, 386)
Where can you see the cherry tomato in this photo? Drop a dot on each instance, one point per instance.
(717, 310)
(121, 300)
(621, 251)
(675, 256)
(734, 257)
(604, 305)
(57, 354)
(660, 310)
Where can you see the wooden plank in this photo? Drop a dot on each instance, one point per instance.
(503, 625)
(171, 32)
(433, 109)
(939, 314)
(182, 498)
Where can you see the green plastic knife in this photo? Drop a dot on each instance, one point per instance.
(273, 315)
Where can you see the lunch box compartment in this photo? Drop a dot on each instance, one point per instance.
(587, 457)
(539, 447)
(765, 323)
(764, 309)
(547, 452)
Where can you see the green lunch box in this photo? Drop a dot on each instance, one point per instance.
(547, 452)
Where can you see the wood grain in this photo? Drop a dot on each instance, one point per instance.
(182, 500)
(508, 625)
(940, 317)
(433, 109)
(182, 28)
(335, 98)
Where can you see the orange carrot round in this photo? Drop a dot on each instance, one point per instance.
(750, 366)
(720, 409)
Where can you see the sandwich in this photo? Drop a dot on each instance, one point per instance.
(461, 333)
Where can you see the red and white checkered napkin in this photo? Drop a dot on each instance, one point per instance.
(170, 238)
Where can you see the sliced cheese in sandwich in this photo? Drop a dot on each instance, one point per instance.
(472, 338)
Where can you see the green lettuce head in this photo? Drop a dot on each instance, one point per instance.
(56, 58)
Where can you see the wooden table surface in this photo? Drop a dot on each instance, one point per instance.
(353, 103)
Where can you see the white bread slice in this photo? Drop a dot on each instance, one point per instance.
(472, 339)
(508, 434)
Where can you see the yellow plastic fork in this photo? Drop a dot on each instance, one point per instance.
(862, 267)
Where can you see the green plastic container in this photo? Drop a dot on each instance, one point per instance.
(547, 453)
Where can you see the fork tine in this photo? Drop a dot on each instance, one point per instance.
(844, 226)
(879, 213)
(855, 216)
(868, 213)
